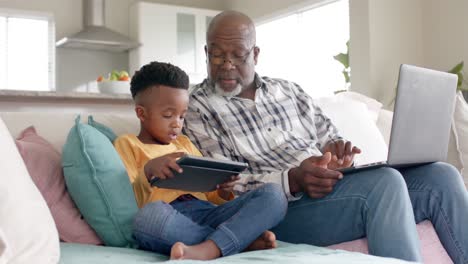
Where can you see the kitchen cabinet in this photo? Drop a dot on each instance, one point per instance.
(172, 34)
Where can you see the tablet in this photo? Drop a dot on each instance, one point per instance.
(211, 163)
(200, 174)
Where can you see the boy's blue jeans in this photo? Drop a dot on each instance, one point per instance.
(231, 226)
(384, 205)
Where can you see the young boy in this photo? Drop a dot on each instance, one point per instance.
(187, 224)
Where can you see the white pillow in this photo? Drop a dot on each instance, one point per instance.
(460, 124)
(373, 105)
(27, 230)
(356, 124)
(384, 123)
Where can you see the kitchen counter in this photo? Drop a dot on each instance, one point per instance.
(61, 96)
(73, 102)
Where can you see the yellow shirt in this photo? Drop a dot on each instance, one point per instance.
(136, 154)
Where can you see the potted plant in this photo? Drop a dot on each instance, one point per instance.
(343, 58)
(462, 84)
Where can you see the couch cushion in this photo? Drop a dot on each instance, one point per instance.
(460, 125)
(285, 253)
(44, 164)
(431, 248)
(27, 230)
(79, 254)
(98, 183)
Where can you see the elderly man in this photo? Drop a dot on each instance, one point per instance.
(285, 138)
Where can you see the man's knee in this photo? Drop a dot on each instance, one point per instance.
(442, 175)
(392, 178)
(444, 169)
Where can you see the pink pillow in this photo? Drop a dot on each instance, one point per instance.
(44, 165)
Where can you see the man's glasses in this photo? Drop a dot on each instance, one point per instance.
(234, 60)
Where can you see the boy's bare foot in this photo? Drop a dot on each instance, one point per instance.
(204, 251)
(177, 250)
(267, 240)
(208, 250)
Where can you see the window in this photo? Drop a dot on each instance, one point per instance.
(27, 51)
(300, 47)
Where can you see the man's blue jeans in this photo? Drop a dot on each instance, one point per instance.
(231, 226)
(384, 206)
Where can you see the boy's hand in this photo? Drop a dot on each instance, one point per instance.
(225, 189)
(162, 167)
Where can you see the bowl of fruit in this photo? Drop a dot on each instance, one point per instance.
(116, 82)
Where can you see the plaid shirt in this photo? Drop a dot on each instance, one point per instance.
(272, 134)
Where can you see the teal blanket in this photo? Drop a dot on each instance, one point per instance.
(285, 253)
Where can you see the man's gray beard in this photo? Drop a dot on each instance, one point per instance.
(221, 92)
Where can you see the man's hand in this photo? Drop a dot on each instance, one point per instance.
(313, 177)
(342, 153)
(225, 189)
(162, 167)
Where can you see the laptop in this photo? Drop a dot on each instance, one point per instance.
(422, 118)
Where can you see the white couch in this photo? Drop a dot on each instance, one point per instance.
(360, 119)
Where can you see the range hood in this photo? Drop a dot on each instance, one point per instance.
(95, 35)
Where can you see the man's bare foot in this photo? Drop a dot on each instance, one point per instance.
(267, 240)
(204, 251)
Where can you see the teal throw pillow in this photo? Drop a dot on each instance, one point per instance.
(107, 131)
(97, 181)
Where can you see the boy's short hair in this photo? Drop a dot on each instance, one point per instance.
(158, 73)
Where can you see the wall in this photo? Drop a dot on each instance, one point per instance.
(390, 34)
(359, 46)
(445, 33)
(265, 10)
(68, 13)
(77, 68)
(387, 33)
(208, 4)
(384, 34)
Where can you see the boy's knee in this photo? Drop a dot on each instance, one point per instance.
(271, 187)
(158, 207)
(275, 195)
(151, 215)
